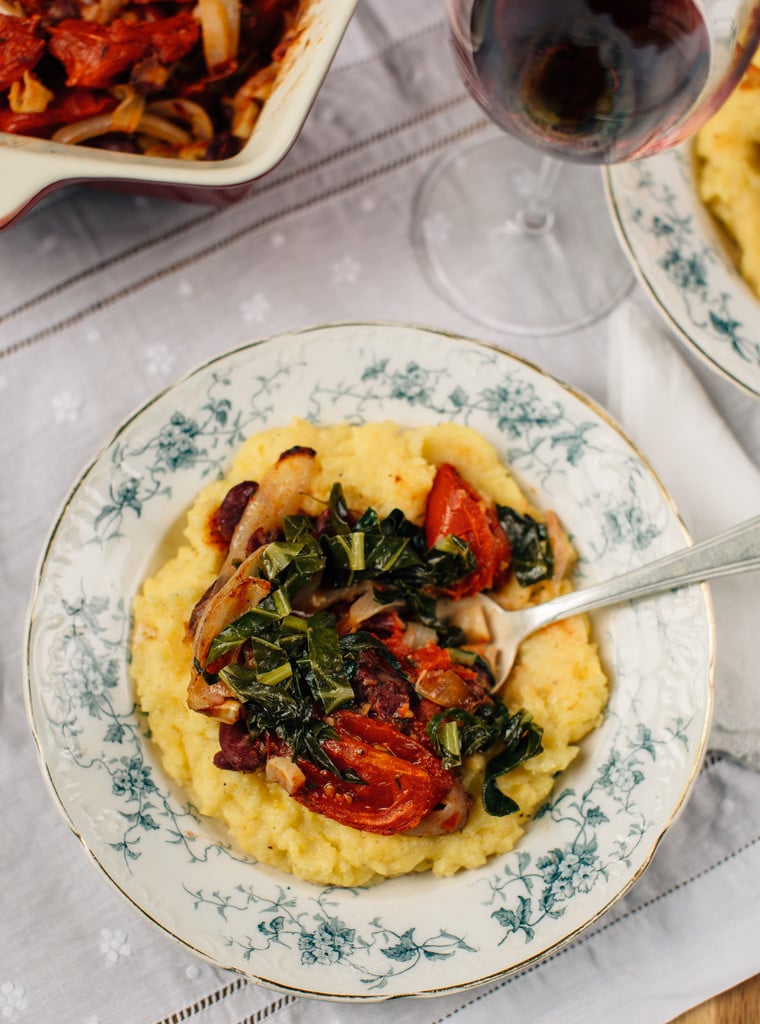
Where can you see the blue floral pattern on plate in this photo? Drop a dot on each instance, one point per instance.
(676, 249)
(587, 845)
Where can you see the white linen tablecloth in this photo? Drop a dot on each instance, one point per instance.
(107, 298)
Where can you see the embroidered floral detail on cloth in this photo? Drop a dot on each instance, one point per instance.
(114, 946)
(12, 1000)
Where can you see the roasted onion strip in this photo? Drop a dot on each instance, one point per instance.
(280, 494)
(450, 817)
(185, 111)
(28, 95)
(127, 116)
(102, 124)
(237, 589)
(242, 592)
(250, 98)
(220, 30)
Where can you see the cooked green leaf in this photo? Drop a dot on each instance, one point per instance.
(255, 622)
(244, 683)
(296, 528)
(523, 740)
(532, 556)
(272, 662)
(284, 713)
(338, 510)
(327, 676)
(390, 550)
(496, 803)
(346, 553)
(279, 555)
(476, 732)
(448, 742)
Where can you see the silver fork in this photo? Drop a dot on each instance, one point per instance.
(735, 551)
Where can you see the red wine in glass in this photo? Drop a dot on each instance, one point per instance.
(596, 81)
(511, 228)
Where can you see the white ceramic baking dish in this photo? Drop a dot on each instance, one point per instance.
(30, 168)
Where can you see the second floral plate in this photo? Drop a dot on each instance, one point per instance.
(677, 251)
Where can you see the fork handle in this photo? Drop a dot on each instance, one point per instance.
(735, 551)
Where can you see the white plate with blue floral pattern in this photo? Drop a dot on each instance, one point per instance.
(684, 262)
(417, 935)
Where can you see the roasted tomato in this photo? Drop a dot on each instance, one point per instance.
(402, 781)
(96, 55)
(20, 47)
(455, 508)
(71, 106)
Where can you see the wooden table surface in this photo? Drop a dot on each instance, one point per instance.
(740, 1005)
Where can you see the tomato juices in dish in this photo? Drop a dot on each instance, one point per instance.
(339, 715)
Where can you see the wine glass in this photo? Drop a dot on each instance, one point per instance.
(507, 233)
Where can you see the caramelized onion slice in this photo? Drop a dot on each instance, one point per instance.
(161, 128)
(466, 613)
(562, 549)
(127, 116)
(187, 111)
(220, 31)
(280, 493)
(241, 592)
(238, 595)
(445, 688)
(450, 817)
(417, 635)
(215, 701)
(364, 607)
(232, 12)
(101, 124)
(27, 95)
(87, 128)
(102, 12)
(249, 99)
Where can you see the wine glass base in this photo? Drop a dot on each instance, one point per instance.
(469, 234)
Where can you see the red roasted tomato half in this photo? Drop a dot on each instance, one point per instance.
(455, 508)
(402, 781)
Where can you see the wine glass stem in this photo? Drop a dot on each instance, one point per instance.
(536, 217)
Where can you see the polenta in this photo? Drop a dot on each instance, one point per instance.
(557, 682)
(728, 170)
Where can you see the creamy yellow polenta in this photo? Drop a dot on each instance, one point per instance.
(728, 170)
(558, 676)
